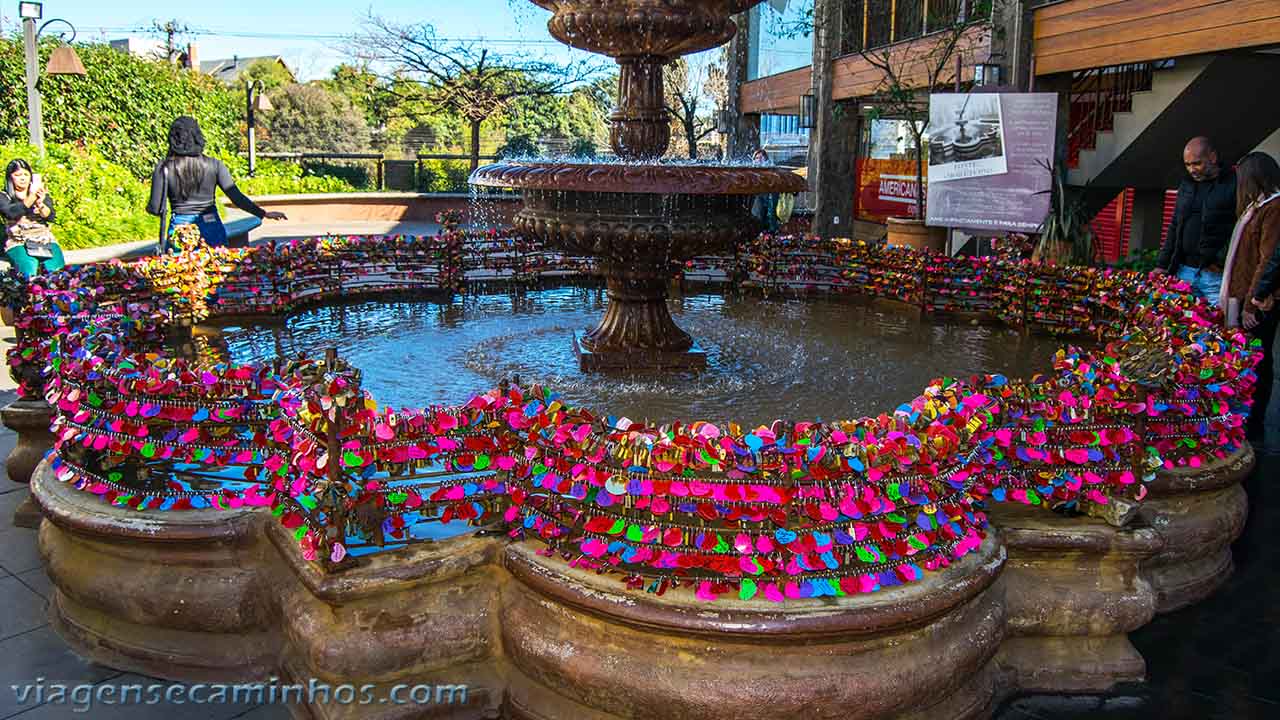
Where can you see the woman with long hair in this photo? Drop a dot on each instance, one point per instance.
(186, 180)
(1253, 243)
(27, 210)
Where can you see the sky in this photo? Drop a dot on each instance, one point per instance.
(306, 32)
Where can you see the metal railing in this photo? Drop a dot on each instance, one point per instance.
(1097, 94)
(382, 165)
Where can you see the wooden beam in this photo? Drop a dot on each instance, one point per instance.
(1258, 32)
(776, 93)
(1122, 11)
(1074, 6)
(1220, 15)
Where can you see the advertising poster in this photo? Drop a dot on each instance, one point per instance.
(886, 175)
(985, 160)
(886, 188)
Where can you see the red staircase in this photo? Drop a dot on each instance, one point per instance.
(1097, 94)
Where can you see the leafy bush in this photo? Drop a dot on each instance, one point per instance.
(584, 148)
(518, 146)
(443, 176)
(311, 118)
(281, 177)
(355, 173)
(97, 201)
(122, 107)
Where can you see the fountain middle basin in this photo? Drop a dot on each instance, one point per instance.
(640, 222)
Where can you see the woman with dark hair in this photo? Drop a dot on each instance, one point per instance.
(1254, 243)
(27, 211)
(187, 178)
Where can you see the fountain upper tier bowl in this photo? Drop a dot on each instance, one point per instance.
(635, 28)
(639, 220)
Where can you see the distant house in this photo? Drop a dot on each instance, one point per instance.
(139, 47)
(229, 70)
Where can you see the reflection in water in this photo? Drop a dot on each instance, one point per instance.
(832, 358)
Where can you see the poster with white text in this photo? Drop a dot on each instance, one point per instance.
(986, 169)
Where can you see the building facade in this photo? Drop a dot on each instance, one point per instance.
(1135, 78)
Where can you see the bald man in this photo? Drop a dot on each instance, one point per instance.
(1195, 244)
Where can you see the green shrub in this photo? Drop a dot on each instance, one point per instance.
(355, 174)
(281, 177)
(97, 201)
(517, 147)
(442, 176)
(122, 106)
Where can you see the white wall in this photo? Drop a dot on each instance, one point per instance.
(1271, 145)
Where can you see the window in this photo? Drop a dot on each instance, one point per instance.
(851, 27)
(908, 19)
(879, 21)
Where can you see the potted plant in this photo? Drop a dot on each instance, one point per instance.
(1065, 235)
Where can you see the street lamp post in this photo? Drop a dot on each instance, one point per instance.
(63, 62)
(252, 88)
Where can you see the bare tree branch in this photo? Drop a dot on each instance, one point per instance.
(474, 82)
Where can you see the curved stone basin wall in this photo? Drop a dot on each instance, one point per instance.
(314, 613)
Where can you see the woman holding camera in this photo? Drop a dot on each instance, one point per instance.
(27, 210)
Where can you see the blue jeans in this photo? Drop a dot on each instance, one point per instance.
(1205, 283)
(211, 228)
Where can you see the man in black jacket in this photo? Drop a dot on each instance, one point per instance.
(1195, 245)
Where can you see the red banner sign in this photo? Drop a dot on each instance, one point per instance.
(885, 188)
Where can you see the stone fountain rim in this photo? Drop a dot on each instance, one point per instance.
(60, 504)
(887, 610)
(637, 178)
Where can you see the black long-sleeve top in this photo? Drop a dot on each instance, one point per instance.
(13, 209)
(215, 176)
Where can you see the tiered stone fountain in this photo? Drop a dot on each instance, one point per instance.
(639, 218)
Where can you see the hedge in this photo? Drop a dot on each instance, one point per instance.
(122, 106)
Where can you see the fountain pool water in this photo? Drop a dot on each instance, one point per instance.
(766, 357)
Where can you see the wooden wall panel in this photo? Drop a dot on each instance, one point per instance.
(777, 93)
(1080, 34)
(854, 76)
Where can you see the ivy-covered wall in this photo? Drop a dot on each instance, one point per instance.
(122, 107)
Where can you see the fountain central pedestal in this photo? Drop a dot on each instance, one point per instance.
(639, 219)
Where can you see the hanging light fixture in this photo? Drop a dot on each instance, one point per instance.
(808, 111)
(64, 61)
(987, 73)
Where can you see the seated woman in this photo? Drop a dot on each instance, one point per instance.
(187, 178)
(27, 210)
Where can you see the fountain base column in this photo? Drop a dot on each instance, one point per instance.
(637, 331)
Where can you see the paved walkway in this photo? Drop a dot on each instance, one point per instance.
(34, 654)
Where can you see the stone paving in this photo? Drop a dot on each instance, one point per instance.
(30, 651)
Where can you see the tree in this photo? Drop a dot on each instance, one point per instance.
(272, 74)
(310, 118)
(464, 77)
(688, 102)
(910, 71)
(172, 30)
